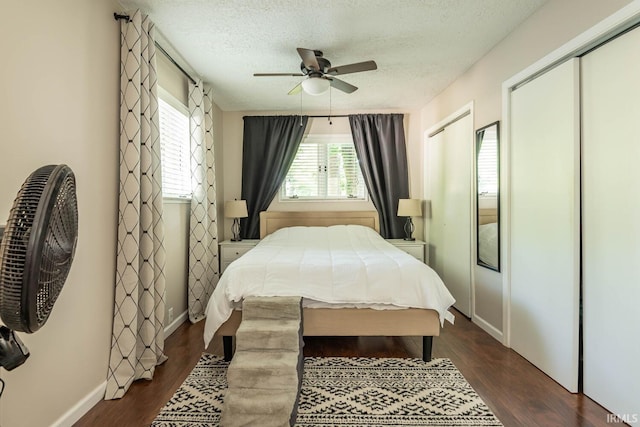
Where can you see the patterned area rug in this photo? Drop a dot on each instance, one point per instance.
(338, 391)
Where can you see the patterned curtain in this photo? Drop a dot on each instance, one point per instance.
(203, 236)
(137, 344)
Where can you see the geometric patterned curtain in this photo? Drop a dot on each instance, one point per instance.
(203, 235)
(137, 344)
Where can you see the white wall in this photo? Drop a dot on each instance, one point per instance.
(557, 22)
(232, 159)
(59, 95)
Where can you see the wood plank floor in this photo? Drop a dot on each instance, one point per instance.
(516, 391)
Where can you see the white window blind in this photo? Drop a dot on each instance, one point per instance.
(488, 166)
(325, 168)
(175, 151)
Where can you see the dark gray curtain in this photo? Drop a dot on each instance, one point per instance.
(380, 146)
(479, 136)
(269, 146)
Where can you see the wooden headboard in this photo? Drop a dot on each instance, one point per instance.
(487, 215)
(272, 221)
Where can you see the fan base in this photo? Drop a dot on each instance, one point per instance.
(13, 352)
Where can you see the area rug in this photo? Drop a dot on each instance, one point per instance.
(339, 391)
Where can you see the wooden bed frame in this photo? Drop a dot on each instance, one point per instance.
(487, 215)
(343, 321)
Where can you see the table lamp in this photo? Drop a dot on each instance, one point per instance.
(235, 209)
(409, 208)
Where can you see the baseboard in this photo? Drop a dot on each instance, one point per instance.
(90, 400)
(488, 328)
(82, 407)
(182, 317)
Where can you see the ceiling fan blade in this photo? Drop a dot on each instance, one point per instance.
(353, 68)
(340, 85)
(277, 74)
(296, 89)
(309, 58)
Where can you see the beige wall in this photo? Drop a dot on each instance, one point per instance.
(176, 220)
(218, 151)
(171, 79)
(176, 243)
(557, 22)
(232, 159)
(59, 94)
(177, 212)
(552, 26)
(59, 90)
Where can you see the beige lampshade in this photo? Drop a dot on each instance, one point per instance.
(409, 207)
(235, 209)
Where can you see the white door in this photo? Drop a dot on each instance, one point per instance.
(544, 227)
(434, 183)
(449, 168)
(611, 226)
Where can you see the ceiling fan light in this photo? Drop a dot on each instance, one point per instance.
(315, 85)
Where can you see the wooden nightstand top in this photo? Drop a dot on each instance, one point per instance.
(402, 242)
(243, 242)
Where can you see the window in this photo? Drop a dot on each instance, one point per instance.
(175, 149)
(325, 168)
(488, 164)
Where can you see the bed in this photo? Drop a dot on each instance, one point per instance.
(345, 317)
(488, 236)
(488, 243)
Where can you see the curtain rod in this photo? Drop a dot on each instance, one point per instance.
(118, 17)
(175, 63)
(356, 114)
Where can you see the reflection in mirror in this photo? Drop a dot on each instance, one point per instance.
(488, 206)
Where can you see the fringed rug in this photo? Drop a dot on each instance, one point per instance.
(339, 391)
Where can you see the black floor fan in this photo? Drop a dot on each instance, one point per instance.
(36, 251)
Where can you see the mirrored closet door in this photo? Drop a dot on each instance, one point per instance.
(488, 196)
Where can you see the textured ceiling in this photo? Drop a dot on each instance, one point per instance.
(420, 46)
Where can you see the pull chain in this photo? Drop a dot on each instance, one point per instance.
(330, 92)
(301, 108)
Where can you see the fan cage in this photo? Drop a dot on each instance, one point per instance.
(37, 247)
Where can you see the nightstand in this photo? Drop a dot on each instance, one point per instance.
(414, 248)
(231, 251)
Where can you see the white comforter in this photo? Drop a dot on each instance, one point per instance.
(343, 264)
(488, 243)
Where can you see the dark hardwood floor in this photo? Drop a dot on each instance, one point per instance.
(516, 391)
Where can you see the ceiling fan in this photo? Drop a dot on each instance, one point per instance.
(320, 74)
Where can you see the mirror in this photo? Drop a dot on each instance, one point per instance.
(488, 196)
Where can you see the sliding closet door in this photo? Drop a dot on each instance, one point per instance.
(434, 183)
(449, 160)
(545, 222)
(611, 225)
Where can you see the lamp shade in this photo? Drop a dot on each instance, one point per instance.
(315, 85)
(235, 209)
(409, 207)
